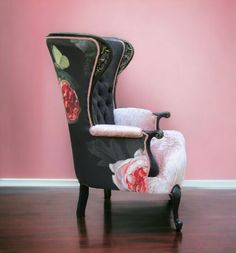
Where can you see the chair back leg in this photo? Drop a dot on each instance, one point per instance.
(107, 193)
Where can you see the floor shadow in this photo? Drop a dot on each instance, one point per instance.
(126, 221)
(137, 217)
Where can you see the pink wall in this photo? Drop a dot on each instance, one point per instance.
(185, 62)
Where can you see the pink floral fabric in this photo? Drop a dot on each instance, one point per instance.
(71, 101)
(131, 174)
(116, 131)
(135, 117)
(170, 154)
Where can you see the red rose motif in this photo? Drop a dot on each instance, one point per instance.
(131, 174)
(136, 180)
(71, 101)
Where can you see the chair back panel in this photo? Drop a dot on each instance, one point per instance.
(87, 68)
(104, 89)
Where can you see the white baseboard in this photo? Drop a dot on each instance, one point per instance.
(35, 182)
(38, 182)
(211, 184)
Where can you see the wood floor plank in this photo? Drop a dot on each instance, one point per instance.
(43, 220)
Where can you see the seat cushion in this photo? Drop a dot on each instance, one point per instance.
(131, 116)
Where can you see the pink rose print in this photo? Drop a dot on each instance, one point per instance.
(131, 174)
(71, 101)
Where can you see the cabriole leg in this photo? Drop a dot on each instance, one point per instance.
(83, 197)
(175, 197)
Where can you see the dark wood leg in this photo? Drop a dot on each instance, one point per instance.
(107, 216)
(83, 197)
(107, 194)
(175, 197)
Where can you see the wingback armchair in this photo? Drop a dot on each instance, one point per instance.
(113, 148)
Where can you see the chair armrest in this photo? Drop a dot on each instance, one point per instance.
(106, 130)
(137, 117)
(111, 131)
(160, 115)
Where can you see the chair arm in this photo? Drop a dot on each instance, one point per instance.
(154, 167)
(160, 115)
(106, 130)
(117, 131)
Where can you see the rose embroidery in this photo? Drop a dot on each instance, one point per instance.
(131, 174)
(71, 101)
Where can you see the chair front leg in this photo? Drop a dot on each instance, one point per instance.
(83, 197)
(175, 197)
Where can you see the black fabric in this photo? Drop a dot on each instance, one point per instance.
(92, 155)
(103, 93)
(103, 103)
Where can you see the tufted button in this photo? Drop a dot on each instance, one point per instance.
(108, 102)
(99, 104)
(102, 102)
(99, 92)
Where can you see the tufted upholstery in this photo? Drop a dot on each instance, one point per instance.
(102, 103)
(103, 91)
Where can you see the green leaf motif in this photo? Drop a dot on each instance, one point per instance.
(61, 60)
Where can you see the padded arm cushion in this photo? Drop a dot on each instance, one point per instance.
(116, 131)
(135, 117)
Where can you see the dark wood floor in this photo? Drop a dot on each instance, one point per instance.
(43, 220)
